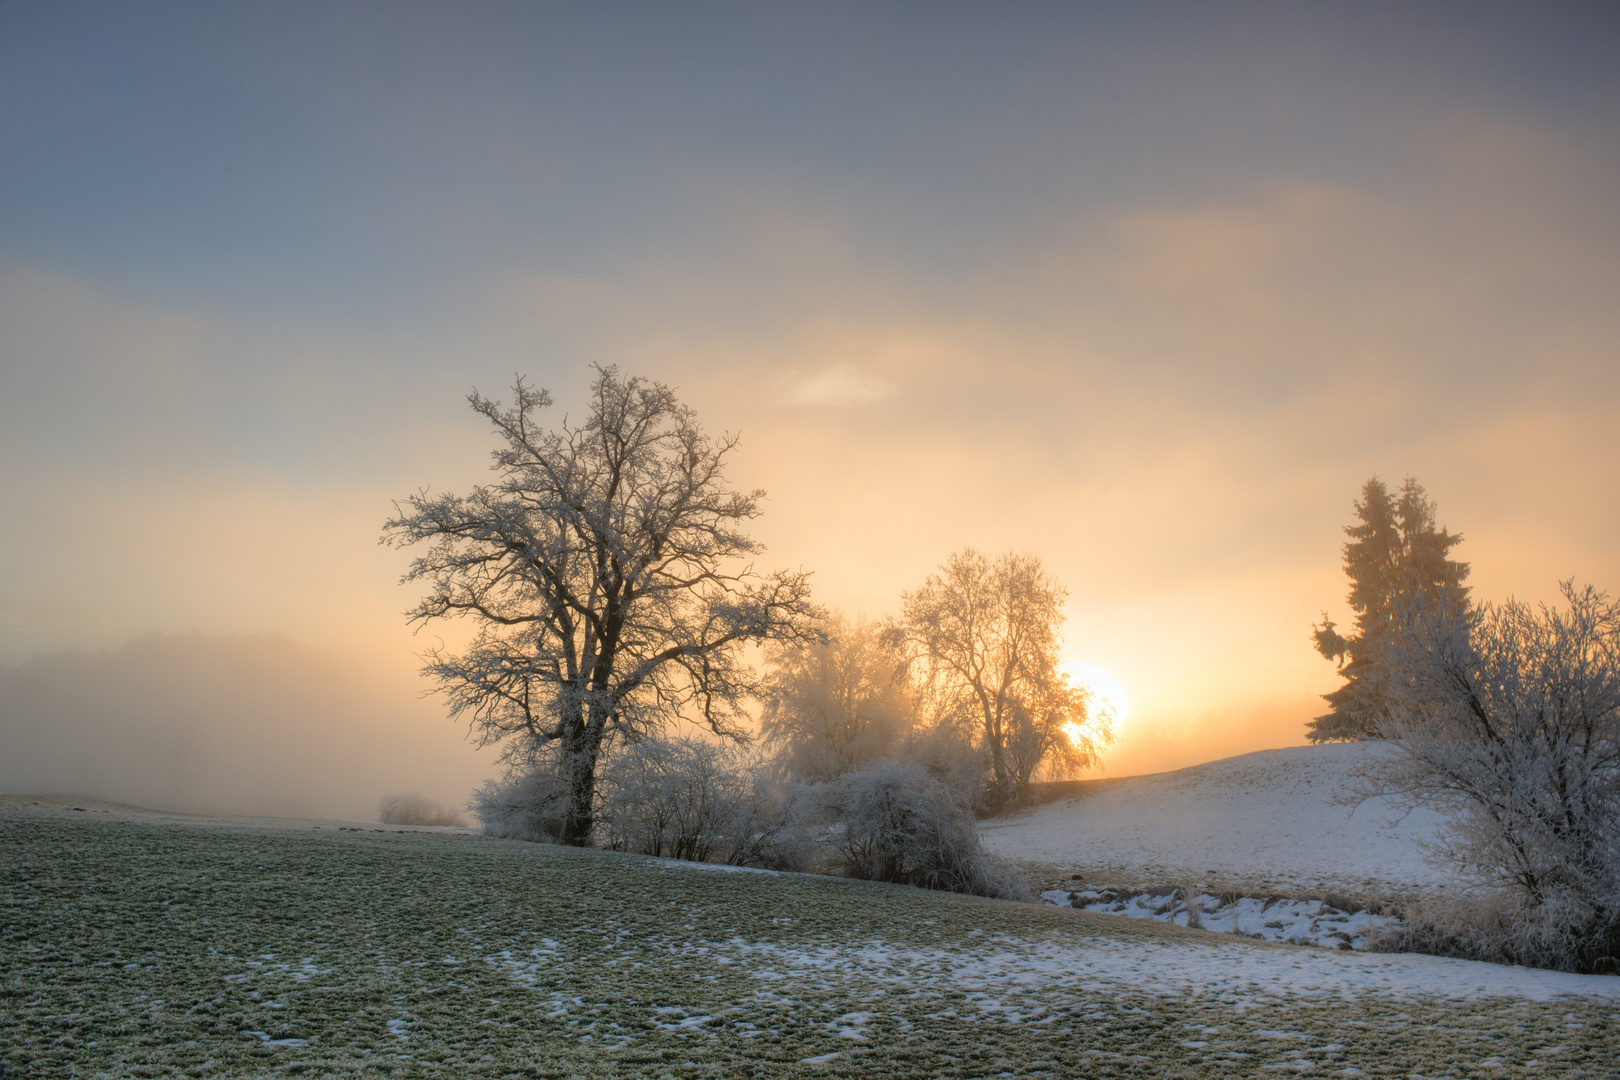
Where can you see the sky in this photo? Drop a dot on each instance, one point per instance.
(1149, 290)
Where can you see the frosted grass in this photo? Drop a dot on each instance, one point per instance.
(136, 948)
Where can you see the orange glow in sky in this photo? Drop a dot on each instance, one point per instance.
(1149, 296)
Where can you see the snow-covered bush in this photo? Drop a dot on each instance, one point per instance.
(1501, 927)
(947, 751)
(769, 826)
(522, 807)
(672, 797)
(409, 808)
(891, 821)
(1508, 723)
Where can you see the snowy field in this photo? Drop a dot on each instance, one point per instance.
(134, 945)
(1259, 822)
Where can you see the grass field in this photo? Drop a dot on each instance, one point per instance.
(134, 946)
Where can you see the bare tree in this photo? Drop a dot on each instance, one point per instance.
(1510, 725)
(833, 706)
(1054, 728)
(987, 627)
(604, 572)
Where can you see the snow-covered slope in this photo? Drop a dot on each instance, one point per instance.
(1261, 820)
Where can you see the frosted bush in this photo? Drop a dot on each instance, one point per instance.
(409, 808)
(893, 822)
(522, 807)
(947, 751)
(1508, 723)
(768, 827)
(701, 801)
(1503, 928)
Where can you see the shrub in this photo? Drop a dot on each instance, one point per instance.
(768, 827)
(522, 807)
(673, 797)
(1508, 723)
(1502, 928)
(946, 750)
(893, 822)
(409, 808)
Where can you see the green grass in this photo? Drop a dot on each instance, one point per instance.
(141, 948)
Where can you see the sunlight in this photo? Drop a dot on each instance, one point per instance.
(1108, 696)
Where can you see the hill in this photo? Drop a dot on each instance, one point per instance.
(1260, 821)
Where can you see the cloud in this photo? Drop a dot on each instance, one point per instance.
(840, 385)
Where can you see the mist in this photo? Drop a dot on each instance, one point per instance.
(243, 724)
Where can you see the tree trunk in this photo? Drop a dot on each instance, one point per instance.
(581, 773)
(996, 737)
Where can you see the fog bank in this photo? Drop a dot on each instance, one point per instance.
(246, 724)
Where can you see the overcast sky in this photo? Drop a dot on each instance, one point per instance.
(1148, 290)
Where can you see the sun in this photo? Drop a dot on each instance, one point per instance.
(1107, 695)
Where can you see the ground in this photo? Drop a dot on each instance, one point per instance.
(142, 945)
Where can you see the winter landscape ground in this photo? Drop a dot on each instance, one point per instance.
(139, 944)
(1262, 844)
(1261, 821)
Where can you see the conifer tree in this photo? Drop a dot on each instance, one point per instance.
(1396, 559)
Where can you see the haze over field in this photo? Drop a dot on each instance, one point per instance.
(1148, 292)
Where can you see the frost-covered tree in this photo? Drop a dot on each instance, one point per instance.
(986, 628)
(1509, 724)
(605, 572)
(834, 705)
(1398, 565)
(1054, 728)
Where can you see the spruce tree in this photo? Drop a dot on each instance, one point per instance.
(1396, 559)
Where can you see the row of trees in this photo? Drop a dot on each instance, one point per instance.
(1505, 718)
(606, 574)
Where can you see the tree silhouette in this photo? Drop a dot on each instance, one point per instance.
(1396, 559)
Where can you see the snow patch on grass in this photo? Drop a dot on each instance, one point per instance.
(1296, 922)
